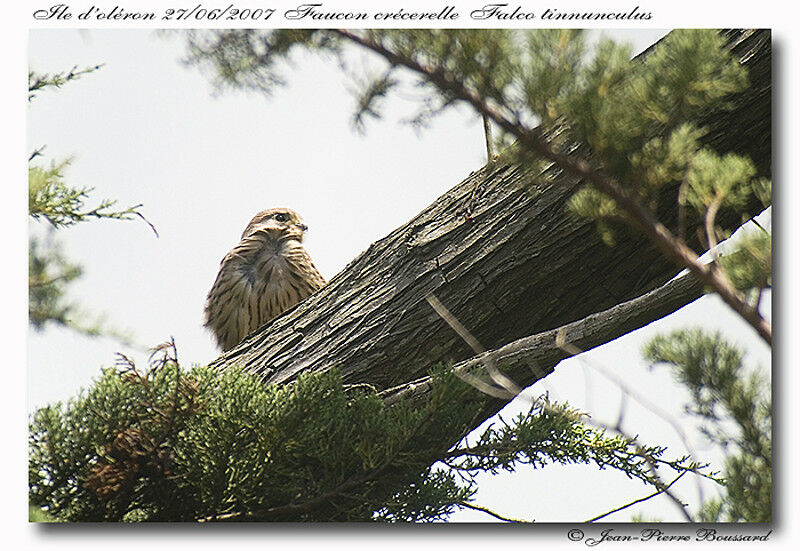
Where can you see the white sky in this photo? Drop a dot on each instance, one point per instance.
(145, 129)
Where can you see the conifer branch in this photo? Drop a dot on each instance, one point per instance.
(626, 390)
(319, 501)
(675, 249)
(506, 389)
(38, 81)
(296, 508)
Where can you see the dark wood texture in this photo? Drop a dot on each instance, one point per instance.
(521, 265)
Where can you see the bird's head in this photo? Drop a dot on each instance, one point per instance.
(279, 222)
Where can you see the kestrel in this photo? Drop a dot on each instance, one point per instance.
(267, 273)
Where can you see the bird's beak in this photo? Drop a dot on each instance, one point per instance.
(303, 227)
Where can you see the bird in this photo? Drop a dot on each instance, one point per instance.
(264, 275)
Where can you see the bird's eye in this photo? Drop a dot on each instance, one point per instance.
(281, 217)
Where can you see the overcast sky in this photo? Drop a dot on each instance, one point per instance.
(145, 129)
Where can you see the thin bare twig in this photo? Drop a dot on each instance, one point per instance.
(640, 500)
(146, 221)
(638, 397)
(487, 133)
(683, 190)
(466, 505)
(711, 231)
(508, 388)
(762, 228)
(36, 153)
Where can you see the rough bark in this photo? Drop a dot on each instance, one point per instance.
(520, 264)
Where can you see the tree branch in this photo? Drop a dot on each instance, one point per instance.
(640, 500)
(319, 501)
(466, 505)
(520, 264)
(531, 358)
(674, 248)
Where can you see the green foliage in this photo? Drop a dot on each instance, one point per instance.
(763, 190)
(205, 445)
(592, 203)
(712, 177)
(40, 81)
(37, 515)
(171, 445)
(665, 160)
(202, 445)
(638, 119)
(249, 58)
(548, 72)
(555, 434)
(431, 497)
(688, 71)
(635, 118)
(750, 269)
(49, 276)
(49, 273)
(51, 198)
(724, 393)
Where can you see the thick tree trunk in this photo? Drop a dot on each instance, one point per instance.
(502, 253)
